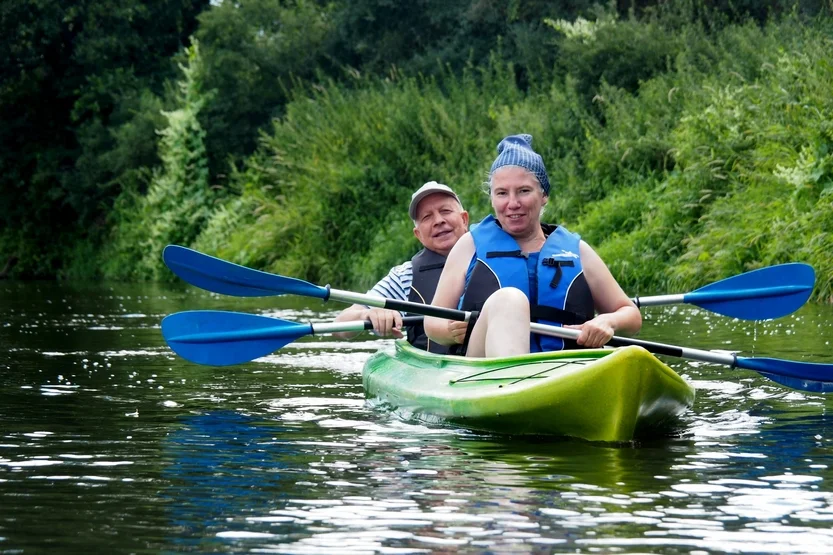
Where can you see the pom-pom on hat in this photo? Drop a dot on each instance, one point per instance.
(516, 150)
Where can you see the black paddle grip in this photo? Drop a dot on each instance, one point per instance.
(427, 310)
(656, 348)
(406, 321)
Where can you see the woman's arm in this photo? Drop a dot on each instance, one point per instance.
(450, 289)
(617, 313)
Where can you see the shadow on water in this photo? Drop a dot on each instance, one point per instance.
(551, 467)
(224, 463)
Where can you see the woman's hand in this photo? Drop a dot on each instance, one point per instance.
(457, 330)
(594, 333)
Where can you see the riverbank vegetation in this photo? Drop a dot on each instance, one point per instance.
(685, 141)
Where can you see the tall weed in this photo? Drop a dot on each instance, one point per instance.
(179, 199)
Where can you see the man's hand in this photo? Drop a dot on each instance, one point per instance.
(385, 322)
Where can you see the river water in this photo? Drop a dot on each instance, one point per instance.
(110, 443)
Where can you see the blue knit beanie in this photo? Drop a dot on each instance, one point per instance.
(516, 150)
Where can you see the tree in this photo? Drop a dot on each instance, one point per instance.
(253, 51)
(65, 70)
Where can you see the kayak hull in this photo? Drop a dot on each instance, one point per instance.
(595, 394)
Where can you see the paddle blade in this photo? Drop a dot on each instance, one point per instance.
(809, 376)
(220, 276)
(218, 338)
(762, 294)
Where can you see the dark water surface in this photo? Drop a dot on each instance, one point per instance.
(109, 443)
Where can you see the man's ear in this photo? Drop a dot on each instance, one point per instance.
(465, 216)
(417, 234)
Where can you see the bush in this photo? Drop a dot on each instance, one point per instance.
(179, 200)
(687, 164)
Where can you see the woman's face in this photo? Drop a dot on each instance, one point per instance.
(517, 199)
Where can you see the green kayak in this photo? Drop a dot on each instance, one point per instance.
(595, 394)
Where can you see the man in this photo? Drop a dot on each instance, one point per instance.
(439, 221)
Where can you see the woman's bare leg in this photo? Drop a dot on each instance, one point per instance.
(503, 326)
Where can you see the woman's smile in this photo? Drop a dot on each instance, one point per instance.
(517, 199)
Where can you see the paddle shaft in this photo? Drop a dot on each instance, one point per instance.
(401, 306)
(656, 348)
(717, 296)
(772, 368)
(808, 376)
(280, 331)
(220, 276)
(542, 329)
(324, 328)
(737, 296)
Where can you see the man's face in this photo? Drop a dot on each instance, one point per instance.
(440, 222)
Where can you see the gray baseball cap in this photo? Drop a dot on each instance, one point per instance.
(429, 189)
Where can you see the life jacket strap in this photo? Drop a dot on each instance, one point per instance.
(505, 254)
(427, 267)
(552, 261)
(553, 314)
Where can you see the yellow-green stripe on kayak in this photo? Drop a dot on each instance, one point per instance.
(595, 394)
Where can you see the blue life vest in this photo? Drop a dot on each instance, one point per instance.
(427, 266)
(552, 280)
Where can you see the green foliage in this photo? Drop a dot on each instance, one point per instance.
(252, 50)
(778, 168)
(652, 177)
(746, 166)
(375, 35)
(620, 53)
(362, 152)
(65, 70)
(179, 200)
(686, 141)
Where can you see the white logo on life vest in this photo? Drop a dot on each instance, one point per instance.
(563, 253)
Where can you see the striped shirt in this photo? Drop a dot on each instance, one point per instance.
(397, 284)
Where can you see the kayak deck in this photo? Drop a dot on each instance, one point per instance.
(594, 394)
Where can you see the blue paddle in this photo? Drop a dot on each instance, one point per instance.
(219, 338)
(220, 276)
(761, 294)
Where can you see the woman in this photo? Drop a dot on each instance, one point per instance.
(513, 270)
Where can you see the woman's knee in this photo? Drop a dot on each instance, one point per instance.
(507, 300)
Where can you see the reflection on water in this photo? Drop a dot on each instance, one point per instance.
(109, 443)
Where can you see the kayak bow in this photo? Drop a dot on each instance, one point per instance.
(598, 395)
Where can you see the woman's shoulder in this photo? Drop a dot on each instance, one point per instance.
(466, 239)
(463, 249)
